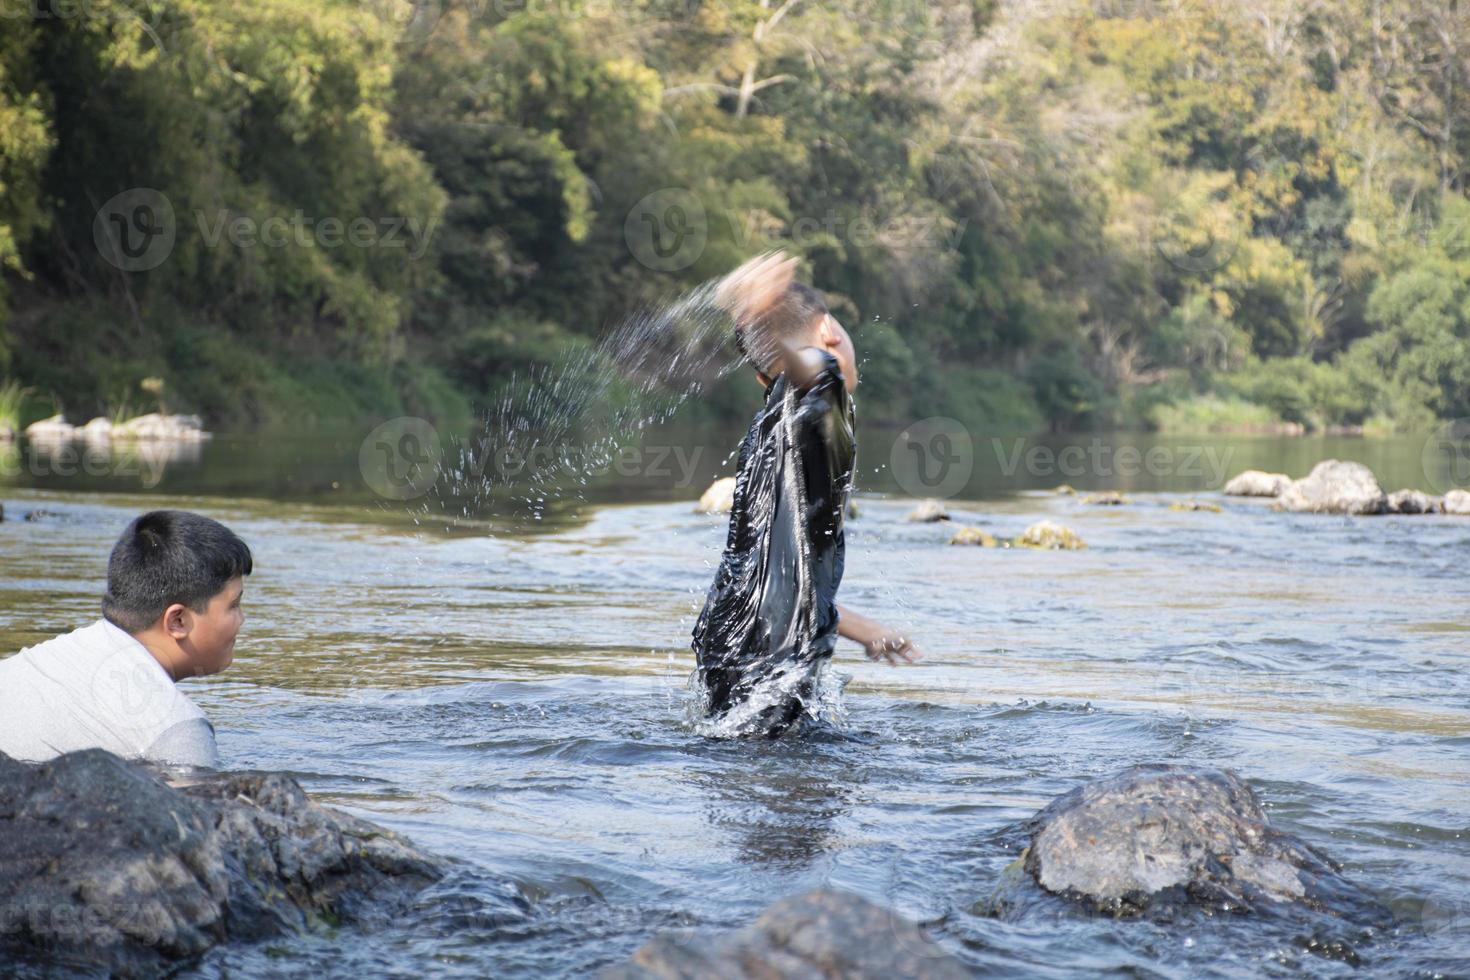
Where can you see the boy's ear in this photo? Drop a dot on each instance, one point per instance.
(826, 332)
(175, 622)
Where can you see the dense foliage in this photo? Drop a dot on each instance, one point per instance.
(1170, 212)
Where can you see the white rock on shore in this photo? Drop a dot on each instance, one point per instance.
(54, 429)
(1457, 502)
(1255, 483)
(175, 428)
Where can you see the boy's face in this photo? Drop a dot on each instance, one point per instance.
(210, 639)
(831, 337)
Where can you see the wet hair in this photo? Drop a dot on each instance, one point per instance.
(169, 556)
(793, 314)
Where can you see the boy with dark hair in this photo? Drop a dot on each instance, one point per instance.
(771, 621)
(172, 610)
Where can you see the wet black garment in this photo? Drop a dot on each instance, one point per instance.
(770, 618)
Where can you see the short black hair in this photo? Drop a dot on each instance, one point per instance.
(169, 556)
(794, 312)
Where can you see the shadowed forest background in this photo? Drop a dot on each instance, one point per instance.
(1182, 215)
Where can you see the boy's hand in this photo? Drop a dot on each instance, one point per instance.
(895, 647)
(751, 290)
(879, 642)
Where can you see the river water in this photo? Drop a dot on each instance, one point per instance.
(508, 688)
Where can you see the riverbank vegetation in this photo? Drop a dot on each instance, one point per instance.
(1185, 214)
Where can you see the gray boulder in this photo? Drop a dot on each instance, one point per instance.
(1254, 483)
(105, 866)
(1457, 502)
(1335, 487)
(1412, 502)
(823, 933)
(1169, 834)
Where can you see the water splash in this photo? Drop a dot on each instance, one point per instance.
(554, 429)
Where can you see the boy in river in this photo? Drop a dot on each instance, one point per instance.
(770, 621)
(172, 610)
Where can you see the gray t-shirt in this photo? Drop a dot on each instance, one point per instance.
(98, 688)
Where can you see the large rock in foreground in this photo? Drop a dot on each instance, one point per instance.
(820, 934)
(1167, 833)
(105, 866)
(1335, 487)
(1457, 502)
(1254, 483)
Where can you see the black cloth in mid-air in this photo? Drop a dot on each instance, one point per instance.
(770, 619)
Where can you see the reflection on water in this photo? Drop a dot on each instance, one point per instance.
(519, 702)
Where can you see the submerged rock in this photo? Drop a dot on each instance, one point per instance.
(1107, 498)
(824, 933)
(104, 865)
(1196, 505)
(719, 498)
(1255, 483)
(1457, 502)
(1168, 833)
(1048, 534)
(1335, 487)
(974, 535)
(928, 512)
(1412, 502)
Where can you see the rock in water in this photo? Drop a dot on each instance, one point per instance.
(1157, 833)
(1254, 483)
(973, 535)
(823, 933)
(104, 865)
(1196, 505)
(719, 498)
(1457, 502)
(1335, 487)
(1048, 534)
(928, 512)
(1107, 498)
(1412, 502)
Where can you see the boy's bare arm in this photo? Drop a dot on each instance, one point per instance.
(879, 641)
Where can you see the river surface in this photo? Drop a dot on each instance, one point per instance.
(509, 688)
